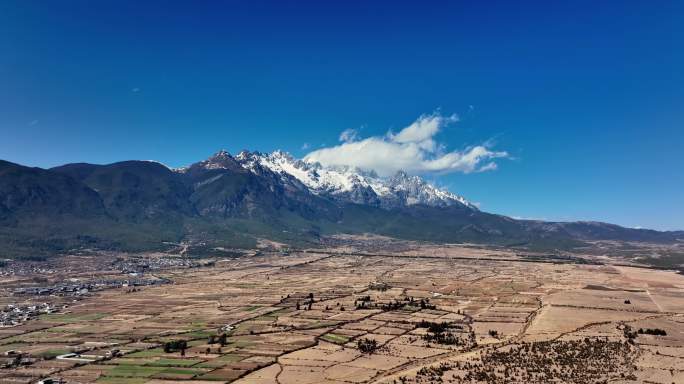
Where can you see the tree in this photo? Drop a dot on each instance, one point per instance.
(175, 345)
(367, 345)
(223, 339)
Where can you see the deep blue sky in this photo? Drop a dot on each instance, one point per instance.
(588, 97)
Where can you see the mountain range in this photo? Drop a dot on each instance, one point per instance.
(230, 201)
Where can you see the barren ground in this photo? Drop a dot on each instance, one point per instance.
(300, 317)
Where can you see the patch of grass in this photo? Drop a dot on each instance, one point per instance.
(245, 285)
(54, 352)
(333, 338)
(198, 324)
(120, 380)
(127, 361)
(320, 324)
(133, 371)
(148, 353)
(222, 361)
(199, 334)
(12, 347)
(60, 329)
(195, 343)
(252, 308)
(215, 363)
(103, 367)
(71, 317)
(180, 371)
(214, 376)
(667, 260)
(11, 340)
(272, 316)
(174, 362)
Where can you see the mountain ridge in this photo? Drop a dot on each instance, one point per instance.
(230, 201)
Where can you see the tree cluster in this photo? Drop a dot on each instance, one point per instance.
(652, 331)
(440, 333)
(587, 361)
(367, 345)
(220, 339)
(175, 346)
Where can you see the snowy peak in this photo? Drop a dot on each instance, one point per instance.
(415, 190)
(220, 160)
(340, 183)
(346, 184)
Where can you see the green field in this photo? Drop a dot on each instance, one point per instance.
(121, 380)
(54, 352)
(222, 361)
(180, 373)
(174, 362)
(199, 334)
(333, 338)
(72, 318)
(148, 353)
(134, 371)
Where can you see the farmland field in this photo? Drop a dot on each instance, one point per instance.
(458, 314)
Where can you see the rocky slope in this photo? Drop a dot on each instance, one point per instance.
(230, 201)
(352, 184)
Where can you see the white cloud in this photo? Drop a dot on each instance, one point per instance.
(306, 146)
(412, 149)
(530, 218)
(423, 129)
(349, 135)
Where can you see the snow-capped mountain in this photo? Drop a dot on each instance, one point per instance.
(346, 184)
(227, 200)
(220, 160)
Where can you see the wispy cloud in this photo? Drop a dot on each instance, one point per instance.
(530, 218)
(349, 135)
(306, 146)
(412, 149)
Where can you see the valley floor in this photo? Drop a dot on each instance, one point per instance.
(425, 314)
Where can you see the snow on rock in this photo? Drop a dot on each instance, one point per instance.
(346, 184)
(353, 184)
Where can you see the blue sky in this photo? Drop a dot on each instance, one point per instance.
(586, 98)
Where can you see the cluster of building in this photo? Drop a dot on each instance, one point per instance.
(13, 314)
(15, 358)
(12, 268)
(84, 288)
(12, 358)
(142, 265)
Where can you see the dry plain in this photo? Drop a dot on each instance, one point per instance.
(425, 313)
